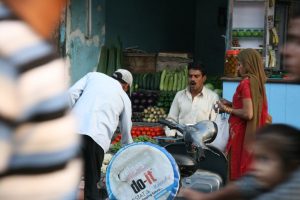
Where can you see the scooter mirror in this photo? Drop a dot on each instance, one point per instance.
(206, 131)
(197, 136)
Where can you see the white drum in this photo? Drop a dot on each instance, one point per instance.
(142, 171)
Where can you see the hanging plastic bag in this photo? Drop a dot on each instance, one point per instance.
(223, 131)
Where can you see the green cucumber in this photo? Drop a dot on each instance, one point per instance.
(152, 80)
(111, 68)
(175, 82)
(157, 81)
(144, 85)
(103, 60)
(179, 83)
(165, 82)
(170, 82)
(162, 79)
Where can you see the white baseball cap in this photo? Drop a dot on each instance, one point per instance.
(123, 75)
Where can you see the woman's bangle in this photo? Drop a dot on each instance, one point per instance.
(228, 109)
(225, 108)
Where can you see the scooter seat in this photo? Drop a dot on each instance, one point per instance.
(178, 151)
(184, 160)
(215, 161)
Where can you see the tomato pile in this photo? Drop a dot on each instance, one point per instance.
(136, 131)
(150, 131)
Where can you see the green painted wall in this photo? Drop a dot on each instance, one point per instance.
(83, 50)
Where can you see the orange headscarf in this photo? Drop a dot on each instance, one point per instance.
(253, 63)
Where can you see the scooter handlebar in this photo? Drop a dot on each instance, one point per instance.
(168, 123)
(171, 125)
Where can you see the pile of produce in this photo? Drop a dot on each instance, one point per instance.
(106, 160)
(173, 80)
(111, 58)
(137, 117)
(137, 131)
(116, 146)
(214, 83)
(139, 134)
(165, 100)
(149, 106)
(143, 99)
(147, 81)
(166, 80)
(153, 114)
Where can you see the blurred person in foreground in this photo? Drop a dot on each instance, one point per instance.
(195, 103)
(274, 172)
(101, 104)
(248, 111)
(291, 49)
(38, 144)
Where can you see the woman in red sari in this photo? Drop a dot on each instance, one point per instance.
(248, 110)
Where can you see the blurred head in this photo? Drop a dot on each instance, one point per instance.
(43, 16)
(291, 49)
(276, 154)
(250, 62)
(124, 77)
(196, 77)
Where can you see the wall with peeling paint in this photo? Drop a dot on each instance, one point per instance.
(82, 49)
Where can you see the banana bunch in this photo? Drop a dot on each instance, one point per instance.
(274, 35)
(173, 80)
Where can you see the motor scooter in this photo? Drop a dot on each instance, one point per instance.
(202, 167)
(145, 170)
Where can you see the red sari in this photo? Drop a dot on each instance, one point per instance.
(240, 158)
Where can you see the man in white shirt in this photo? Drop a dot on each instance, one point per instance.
(195, 103)
(101, 104)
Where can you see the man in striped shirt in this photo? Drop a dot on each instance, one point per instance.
(38, 144)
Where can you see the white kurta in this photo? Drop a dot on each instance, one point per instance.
(100, 104)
